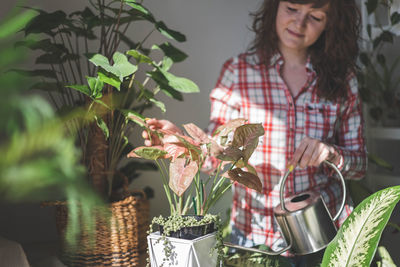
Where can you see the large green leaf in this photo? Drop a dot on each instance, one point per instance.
(139, 57)
(141, 9)
(180, 84)
(171, 51)
(171, 34)
(109, 78)
(163, 83)
(121, 68)
(356, 241)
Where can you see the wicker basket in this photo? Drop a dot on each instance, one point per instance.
(120, 241)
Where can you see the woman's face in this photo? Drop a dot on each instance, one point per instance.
(299, 25)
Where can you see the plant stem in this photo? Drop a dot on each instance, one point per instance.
(162, 169)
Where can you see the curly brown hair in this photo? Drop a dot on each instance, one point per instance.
(333, 55)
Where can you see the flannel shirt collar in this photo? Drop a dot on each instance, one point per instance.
(277, 60)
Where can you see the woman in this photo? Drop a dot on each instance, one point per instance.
(298, 80)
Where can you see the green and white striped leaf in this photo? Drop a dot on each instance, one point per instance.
(356, 241)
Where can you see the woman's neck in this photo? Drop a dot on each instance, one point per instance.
(293, 58)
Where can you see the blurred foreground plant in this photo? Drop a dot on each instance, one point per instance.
(39, 160)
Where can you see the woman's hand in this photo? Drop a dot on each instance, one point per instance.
(312, 152)
(155, 124)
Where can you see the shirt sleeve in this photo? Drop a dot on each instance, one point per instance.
(351, 142)
(225, 97)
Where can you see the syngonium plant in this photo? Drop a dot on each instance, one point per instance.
(182, 182)
(88, 60)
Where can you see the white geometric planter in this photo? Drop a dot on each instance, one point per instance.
(185, 253)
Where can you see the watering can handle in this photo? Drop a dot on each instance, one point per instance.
(333, 166)
(270, 253)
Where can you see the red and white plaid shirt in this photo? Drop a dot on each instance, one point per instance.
(247, 89)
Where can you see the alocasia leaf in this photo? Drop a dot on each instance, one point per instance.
(246, 178)
(181, 175)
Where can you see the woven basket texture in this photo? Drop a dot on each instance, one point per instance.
(120, 241)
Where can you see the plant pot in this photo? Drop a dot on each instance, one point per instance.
(118, 241)
(184, 253)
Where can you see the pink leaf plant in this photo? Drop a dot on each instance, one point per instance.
(187, 154)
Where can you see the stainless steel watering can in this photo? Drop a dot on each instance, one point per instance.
(304, 220)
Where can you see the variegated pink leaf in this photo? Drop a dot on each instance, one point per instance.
(245, 178)
(196, 133)
(228, 127)
(230, 154)
(181, 175)
(148, 152)
(175, 150)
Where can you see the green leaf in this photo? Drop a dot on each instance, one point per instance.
(15, 23)
(160, 79)
(135, 117)
(139, 57)
(180, 84)
(122, 66)
(158, 104)
(96, 86)
(150, 153)
(166, 63)
(371, 6)
(171, 51)
(109, 78)
(142, 10)
(357, 239)
(395, 18)
(81, 88)
(171, 34)
(103, 126)
(101, 61)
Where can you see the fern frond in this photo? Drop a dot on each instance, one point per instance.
(356, 242)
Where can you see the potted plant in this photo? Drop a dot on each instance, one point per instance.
(378, 75)
(85, 66)
(190, 195)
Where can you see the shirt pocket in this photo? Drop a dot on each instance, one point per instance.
(320, 120)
